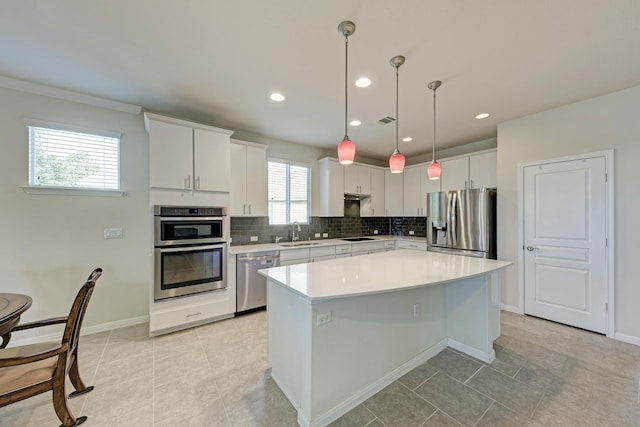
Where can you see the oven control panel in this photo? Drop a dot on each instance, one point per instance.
(186, 211)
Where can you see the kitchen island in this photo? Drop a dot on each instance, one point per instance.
(341, 330)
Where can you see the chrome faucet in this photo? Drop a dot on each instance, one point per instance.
(295, 234)
(278, 238)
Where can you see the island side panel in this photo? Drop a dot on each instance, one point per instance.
(470, 316)
(371, 341)
(289, 342)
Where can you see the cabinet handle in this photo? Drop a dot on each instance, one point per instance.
(386, 211)
(418, 213)
(244, 209)
(194, 314)
(249, 209)
(197, 182)
(465, 184)
(471, 184)
(187, 182)
(373, 211)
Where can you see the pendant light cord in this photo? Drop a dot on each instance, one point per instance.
(346, 102)
(433, 159)
(397, 95)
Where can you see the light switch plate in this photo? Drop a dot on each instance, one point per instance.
(113, 233)
(375, 231)
(325, 235)
(323, 318)
(254, 238)
(411, 233)
(317, 235)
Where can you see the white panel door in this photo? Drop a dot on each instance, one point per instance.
(211, 158)
(257, 191)
(238, 180)
(170, 156)
(565, 273)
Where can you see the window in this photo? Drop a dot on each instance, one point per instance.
(288, 193)
(59, 157)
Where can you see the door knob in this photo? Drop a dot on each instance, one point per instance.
(530, 248)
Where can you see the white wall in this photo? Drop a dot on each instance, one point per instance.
(607, 122)
(49, 244)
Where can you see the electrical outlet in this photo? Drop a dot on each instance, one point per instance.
(375, 231)
(113, 233)
(317, 235)
(416, 310)
(324, 235)
(323, 318)
(411, 233)
(254, 238)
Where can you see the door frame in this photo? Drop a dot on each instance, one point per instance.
(609, 227)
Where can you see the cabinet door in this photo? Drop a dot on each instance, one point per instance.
(412, 192)
(374, 205)
(455, 174)
(364, 179)
(331, 187)
(211, 159)
(256, 181)
(426, 186)
(483, 169)
(238, 194)
(393, 193)
(170, 156)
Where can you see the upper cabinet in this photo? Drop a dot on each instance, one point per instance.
(248, 179)
(374, 205)
(416, 186)
(357, 179)
(330, 187)
(483, 170)
(187, 156)
(473, 171)
(393, 193)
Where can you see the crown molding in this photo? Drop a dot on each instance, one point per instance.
(68, 95)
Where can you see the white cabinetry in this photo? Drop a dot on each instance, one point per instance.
(412, 199)
(187, 156)
(357, 179)
(483, 169)
(407, 244)
(473, 171)
(305, 255)
(331, 187)
(393, 193)
(374, 205)
(248, 180)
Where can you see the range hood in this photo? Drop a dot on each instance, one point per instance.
(351, 196)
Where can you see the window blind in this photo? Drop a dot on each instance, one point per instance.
(288, 193)
(62, 158)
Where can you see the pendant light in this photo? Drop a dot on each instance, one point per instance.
(346, 149)
(434, 169)
(396, 161)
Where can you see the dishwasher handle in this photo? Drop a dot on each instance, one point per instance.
(257, 258)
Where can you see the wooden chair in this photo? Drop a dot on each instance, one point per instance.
(33, 369)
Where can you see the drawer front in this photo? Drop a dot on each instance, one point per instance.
(366, 247)
(185, 316)
(290, 254)
(343, 249)
(421, 246)
(322, 251)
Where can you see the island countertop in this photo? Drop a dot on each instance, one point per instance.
(377, 273)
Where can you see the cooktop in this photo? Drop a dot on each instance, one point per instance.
(357, 239)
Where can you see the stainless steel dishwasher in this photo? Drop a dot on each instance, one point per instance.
(251, 288)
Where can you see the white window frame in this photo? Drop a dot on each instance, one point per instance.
(288, 201)
(75, 191)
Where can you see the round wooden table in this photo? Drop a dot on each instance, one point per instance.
(11, 307)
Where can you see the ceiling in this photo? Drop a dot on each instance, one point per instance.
(217, 61)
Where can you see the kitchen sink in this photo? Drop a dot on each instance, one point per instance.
(300, 244)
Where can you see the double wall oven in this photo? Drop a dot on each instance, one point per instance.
(190, 254)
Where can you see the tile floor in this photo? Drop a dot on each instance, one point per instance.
(545, 374)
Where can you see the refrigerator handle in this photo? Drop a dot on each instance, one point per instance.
(453, 235)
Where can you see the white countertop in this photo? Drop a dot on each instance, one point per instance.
(377, 273)
(242, 249)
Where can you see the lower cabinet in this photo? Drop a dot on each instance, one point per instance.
(407, 244)
(305, 255)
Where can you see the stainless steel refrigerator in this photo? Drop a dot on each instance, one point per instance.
(462, 222)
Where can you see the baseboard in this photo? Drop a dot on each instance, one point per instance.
(472, 351)
(630, 339)
(353, 401)
(86, 330)
(511, 308)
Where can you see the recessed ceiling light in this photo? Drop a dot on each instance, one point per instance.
(482, 116)
(355, 122)
(363, 82)
(278, 97)
(407, 139)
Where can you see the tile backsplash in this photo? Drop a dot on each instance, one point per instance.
(243, 228)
